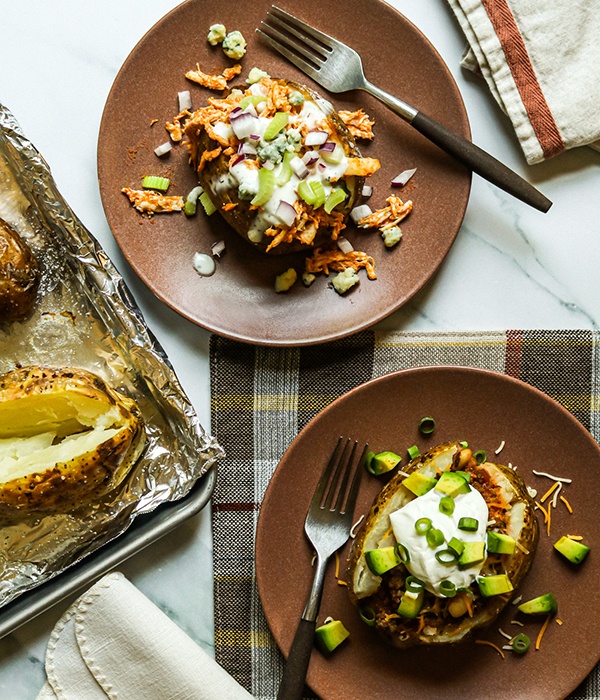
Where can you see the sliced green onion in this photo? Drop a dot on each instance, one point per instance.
(336, 197)
(403, 553)
(446, 505)
(520, 643)
(463, 444)
(207, 205)
(277, 123)
(448, 589)
(422, 526)
(319, 192)
(446, 556)
(367, 461)
(414, 584)
(456, 546)
(468, 524)
(480, 456)
(266, 185)
(465, 475)
(434, 537)
(367, 615)
(155, 182)
(427, 425)
(413, 452)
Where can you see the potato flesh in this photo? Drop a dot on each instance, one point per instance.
(62, 413)
(22, 456)
(39, 431)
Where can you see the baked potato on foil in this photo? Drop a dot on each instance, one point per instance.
(19, 275)
(443, 546)
(66, 438)
(278, 163)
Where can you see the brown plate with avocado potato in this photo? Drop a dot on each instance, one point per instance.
(484, 408)
(239, 301)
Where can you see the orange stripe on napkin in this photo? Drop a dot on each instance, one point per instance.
(524, 76)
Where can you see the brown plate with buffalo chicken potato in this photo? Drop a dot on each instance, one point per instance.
(452, 647)
(239, 300)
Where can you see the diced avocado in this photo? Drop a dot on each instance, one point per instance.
(498, 543)
(382, 560)
(573, 550)
(496, 584)
(418, 483)
(330, 635)
(411, 603)
(473, 553)
(542, 605)
(383, 462)
(452, 484)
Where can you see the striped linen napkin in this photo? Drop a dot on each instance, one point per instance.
(262, 397)
(541, 61)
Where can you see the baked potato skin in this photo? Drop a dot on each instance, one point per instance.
(215, 173)
(19, 275)
(383, 602)
(86, 477)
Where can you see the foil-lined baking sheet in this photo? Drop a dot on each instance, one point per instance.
(85, 317)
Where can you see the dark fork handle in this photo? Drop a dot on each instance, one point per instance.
(294, 674)
(480, 162)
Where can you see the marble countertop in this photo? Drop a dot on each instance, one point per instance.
(518, 268)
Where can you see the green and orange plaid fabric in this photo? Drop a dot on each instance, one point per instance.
(262, 397)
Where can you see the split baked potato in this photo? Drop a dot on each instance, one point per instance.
(19, 275)
(66, 438)
(278, 163)
(445, 612)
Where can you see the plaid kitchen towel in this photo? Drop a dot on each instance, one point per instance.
(262, 397)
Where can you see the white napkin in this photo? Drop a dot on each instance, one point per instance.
(541, 60)
(115, 643)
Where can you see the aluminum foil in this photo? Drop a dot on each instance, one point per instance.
(85, 317)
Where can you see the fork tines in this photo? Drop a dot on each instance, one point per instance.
(333, 490)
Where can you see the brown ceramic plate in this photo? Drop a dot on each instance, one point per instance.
(239, 301)
(483, 408)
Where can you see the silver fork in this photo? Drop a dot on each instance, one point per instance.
(328, 524)
(338, 68)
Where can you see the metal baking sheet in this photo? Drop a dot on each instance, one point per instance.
(85, 317)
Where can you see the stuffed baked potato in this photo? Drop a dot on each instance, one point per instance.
(278, 163)
(66, 438)
(19, 275)
(408, 572)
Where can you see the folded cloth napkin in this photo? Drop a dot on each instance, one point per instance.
(114, 643)
(541, 60)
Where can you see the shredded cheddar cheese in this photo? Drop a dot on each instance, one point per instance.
(550, 491)
(538, 641)
(567, 504)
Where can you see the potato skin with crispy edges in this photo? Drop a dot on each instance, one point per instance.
(380, 594)
(241, 215)
(69, 402)
(19, 275)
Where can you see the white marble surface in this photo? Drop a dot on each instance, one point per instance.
(518, 268)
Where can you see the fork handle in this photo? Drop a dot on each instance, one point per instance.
(466, 152)
(294, 674)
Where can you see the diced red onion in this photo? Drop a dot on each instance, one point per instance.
(367, 191)
(401, 179)
(286, 213)
(217, 248)
(235, 112)
(238, 159)
(328, 147)
(299, 168)
(185, 100)
(322, 166)
(344, 245)
(251, 109)
(360, 212)
(247, 149)
(243, 124)
(254, 137)
(163, 149)
(315, 138)
(310, 158)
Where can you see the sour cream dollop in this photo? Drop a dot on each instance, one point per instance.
(423, 563)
